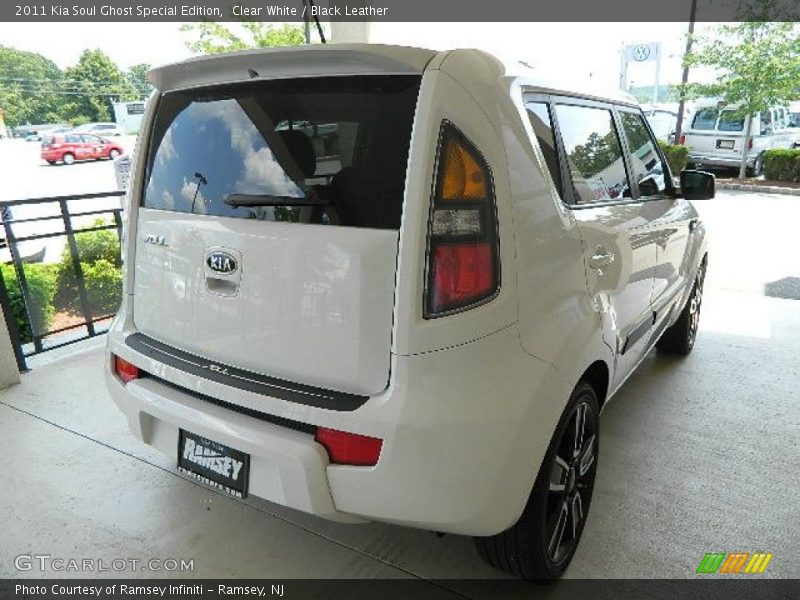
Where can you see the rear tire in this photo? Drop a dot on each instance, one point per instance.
(758, 167)
(680, 337)
(543, 541)
(68, 159)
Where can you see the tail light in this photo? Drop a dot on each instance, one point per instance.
(750, 144)
(682, 141)
(349, 448)
(125, 370)
(463, 267)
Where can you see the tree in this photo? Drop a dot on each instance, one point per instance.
(96, 82)
(213, 37)
(757, 65)
(137, 77)
(28, 86)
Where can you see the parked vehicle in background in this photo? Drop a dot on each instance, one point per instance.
(71, 147)
(793, 123)
(378, 283)
(715, 136)
(663, 121)
(102, 129)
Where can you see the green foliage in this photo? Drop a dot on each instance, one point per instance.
(103, 286)
(137, 77)
(596, 154)
(782, 165)
(41, 287)
(27, 85)
(757, 65)
(98, 251)
(100, 82)
(677, 156)
(213, 37)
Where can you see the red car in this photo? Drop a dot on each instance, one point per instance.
(69, 147)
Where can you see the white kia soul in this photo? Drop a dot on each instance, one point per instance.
(393, 284)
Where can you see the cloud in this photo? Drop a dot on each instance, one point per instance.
(187, 193)
(168, 200)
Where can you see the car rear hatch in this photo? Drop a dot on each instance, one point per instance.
(269, 223)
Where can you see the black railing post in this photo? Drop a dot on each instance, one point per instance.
(11, 325)
(19, 269)
(76, 265)
(118, 222)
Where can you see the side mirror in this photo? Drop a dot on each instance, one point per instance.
(697, 185)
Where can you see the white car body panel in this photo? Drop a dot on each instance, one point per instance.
(465, 404)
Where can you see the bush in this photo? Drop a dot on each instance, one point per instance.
(677, 156)
(103, 286)
(782, 165)
(41, 281)
(93, 247)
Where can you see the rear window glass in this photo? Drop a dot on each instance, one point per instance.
(705, 118)
(330, 150)
(731, 120)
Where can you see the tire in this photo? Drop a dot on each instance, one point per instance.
(680, 337)
(113, 154)
(758, 167)
(68, 159)
(532, 548)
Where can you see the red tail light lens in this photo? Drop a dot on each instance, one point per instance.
(463, 267)
(349, 448)
(750, 144)
(682, 141)
(125, 370)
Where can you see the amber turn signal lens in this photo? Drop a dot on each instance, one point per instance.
(462, 176)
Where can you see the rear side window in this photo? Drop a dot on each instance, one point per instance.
(539, 115)
(73, 139)
(593, 153)
(730, 120)
(705, 118)
(646, 164)
(330, 150)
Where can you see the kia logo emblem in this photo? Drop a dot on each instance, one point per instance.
(221, 262)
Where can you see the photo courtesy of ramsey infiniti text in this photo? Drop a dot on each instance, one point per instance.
(378, 283)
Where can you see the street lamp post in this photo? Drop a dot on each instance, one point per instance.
(200, 181)
(685, 76)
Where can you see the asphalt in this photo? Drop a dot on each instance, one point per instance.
(697, 455)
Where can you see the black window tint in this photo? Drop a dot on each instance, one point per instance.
(646, 164)
(731, 120)
(542, 124)
(593, 152)
(321, 150)
(705, 118)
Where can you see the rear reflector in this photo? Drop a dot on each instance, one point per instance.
(125, 370)
(349, 448)
(682, 141)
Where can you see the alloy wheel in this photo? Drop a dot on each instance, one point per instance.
(571, 483)
(694, 306)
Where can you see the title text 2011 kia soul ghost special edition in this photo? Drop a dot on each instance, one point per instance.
(393, 284)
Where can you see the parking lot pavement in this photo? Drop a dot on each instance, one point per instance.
(697, 455)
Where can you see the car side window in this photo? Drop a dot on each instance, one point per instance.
(539, 115)
(646, 164)
(91, 139)
(594, 153)
(705, 118)
(72, 139)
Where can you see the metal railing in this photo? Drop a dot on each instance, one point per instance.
(39, 336)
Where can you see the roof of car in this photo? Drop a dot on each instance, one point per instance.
(356, 59)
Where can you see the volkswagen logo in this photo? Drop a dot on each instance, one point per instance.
(641, 52)
(221, 262)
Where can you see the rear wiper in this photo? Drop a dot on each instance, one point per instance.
(237, 200)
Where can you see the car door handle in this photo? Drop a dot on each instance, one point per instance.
(601, 258)
(693, 224)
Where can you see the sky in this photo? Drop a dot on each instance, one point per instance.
(581, 49)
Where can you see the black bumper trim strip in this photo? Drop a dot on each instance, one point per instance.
(244, 380)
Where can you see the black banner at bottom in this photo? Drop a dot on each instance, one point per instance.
(729, 588)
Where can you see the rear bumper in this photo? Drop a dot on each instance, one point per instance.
(464, 432)
(712, 160)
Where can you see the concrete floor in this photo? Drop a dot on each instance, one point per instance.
(697, 455)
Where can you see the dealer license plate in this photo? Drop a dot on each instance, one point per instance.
(214, 464)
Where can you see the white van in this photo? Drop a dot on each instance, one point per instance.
(394, 284)
(715, 136)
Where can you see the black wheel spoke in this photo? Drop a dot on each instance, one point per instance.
(558, 530)
(558, 475)
(587, 457)
(580, 426)
(577, 514)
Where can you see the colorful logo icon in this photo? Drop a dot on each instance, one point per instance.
(734, 562)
